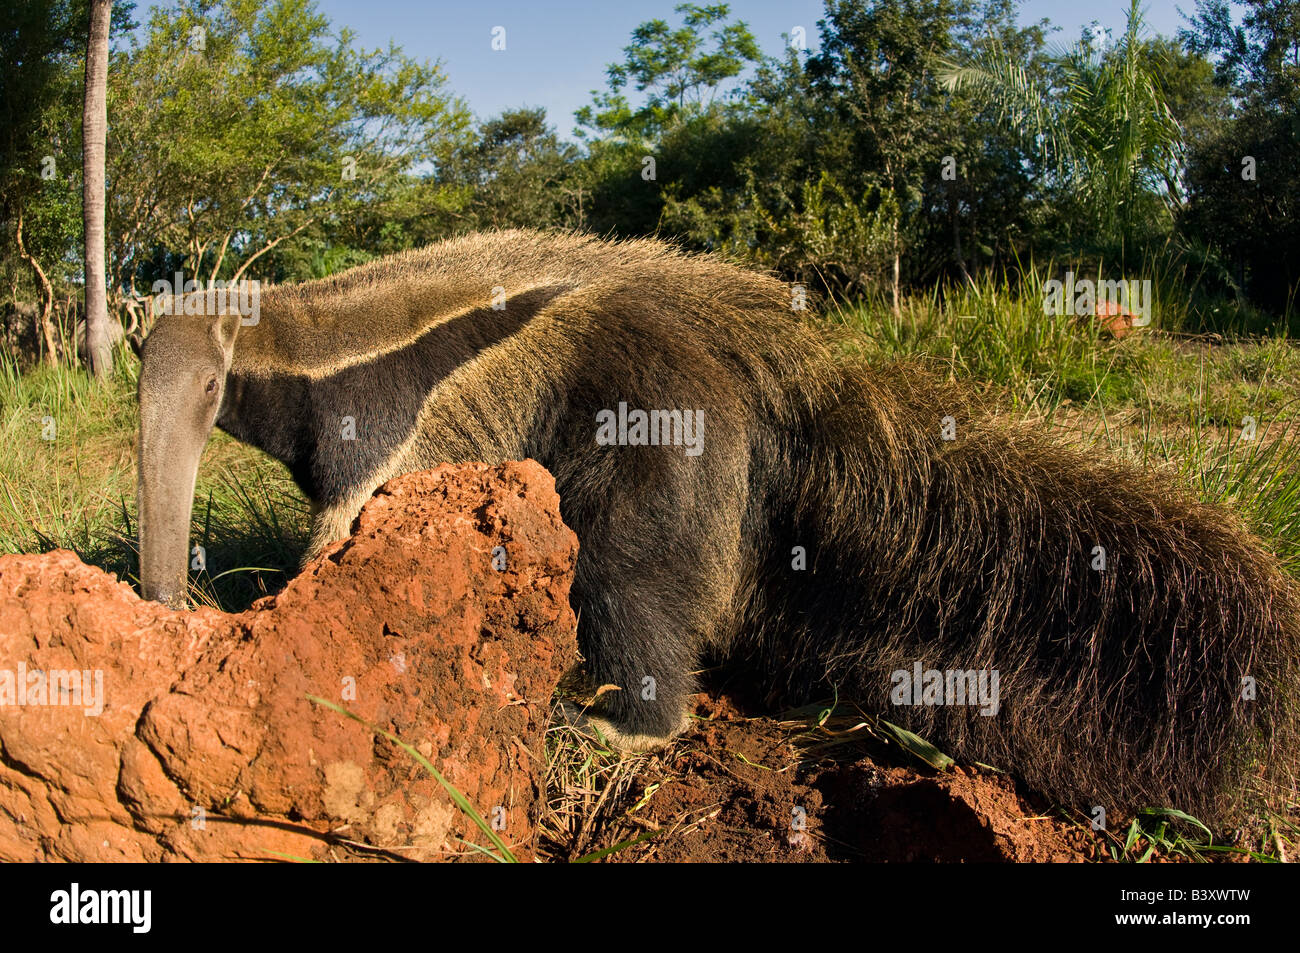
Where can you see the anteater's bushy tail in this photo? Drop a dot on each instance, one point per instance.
(1124, 686)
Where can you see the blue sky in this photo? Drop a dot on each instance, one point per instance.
(557, 50)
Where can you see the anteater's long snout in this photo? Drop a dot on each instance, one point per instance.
(183, 371)
(169, 468)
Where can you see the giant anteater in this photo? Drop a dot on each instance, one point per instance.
(799, 512)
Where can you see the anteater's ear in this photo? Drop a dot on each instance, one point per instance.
(227, 328)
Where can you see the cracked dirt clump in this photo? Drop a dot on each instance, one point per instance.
(207, 746)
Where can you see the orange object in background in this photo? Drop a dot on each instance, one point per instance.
(1114, 319)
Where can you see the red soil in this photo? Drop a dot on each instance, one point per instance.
(208, 748)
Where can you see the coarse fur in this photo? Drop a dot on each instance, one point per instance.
(1119, 687)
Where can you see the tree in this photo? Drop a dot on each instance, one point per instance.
(1259, 57)
(831, 168)
(248, 138)
(768, 185)
(680, 76)
(1243, 206)
(681, 72)
(877, 67)
(516, 174)
(42, 41)
(94, 128)
(1102, 129)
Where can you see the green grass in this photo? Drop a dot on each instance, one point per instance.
(997, 332)
(1163, 833)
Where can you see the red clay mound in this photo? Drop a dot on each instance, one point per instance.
(207, 747)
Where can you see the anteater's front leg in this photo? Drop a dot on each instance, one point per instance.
(332, 521)
(639, 651)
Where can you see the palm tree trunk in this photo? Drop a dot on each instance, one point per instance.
(94, 135)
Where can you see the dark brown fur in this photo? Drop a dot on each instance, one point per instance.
(1120, 688)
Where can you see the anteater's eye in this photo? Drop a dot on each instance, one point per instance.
(212, 385)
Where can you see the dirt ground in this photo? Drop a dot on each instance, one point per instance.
(737, 788)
